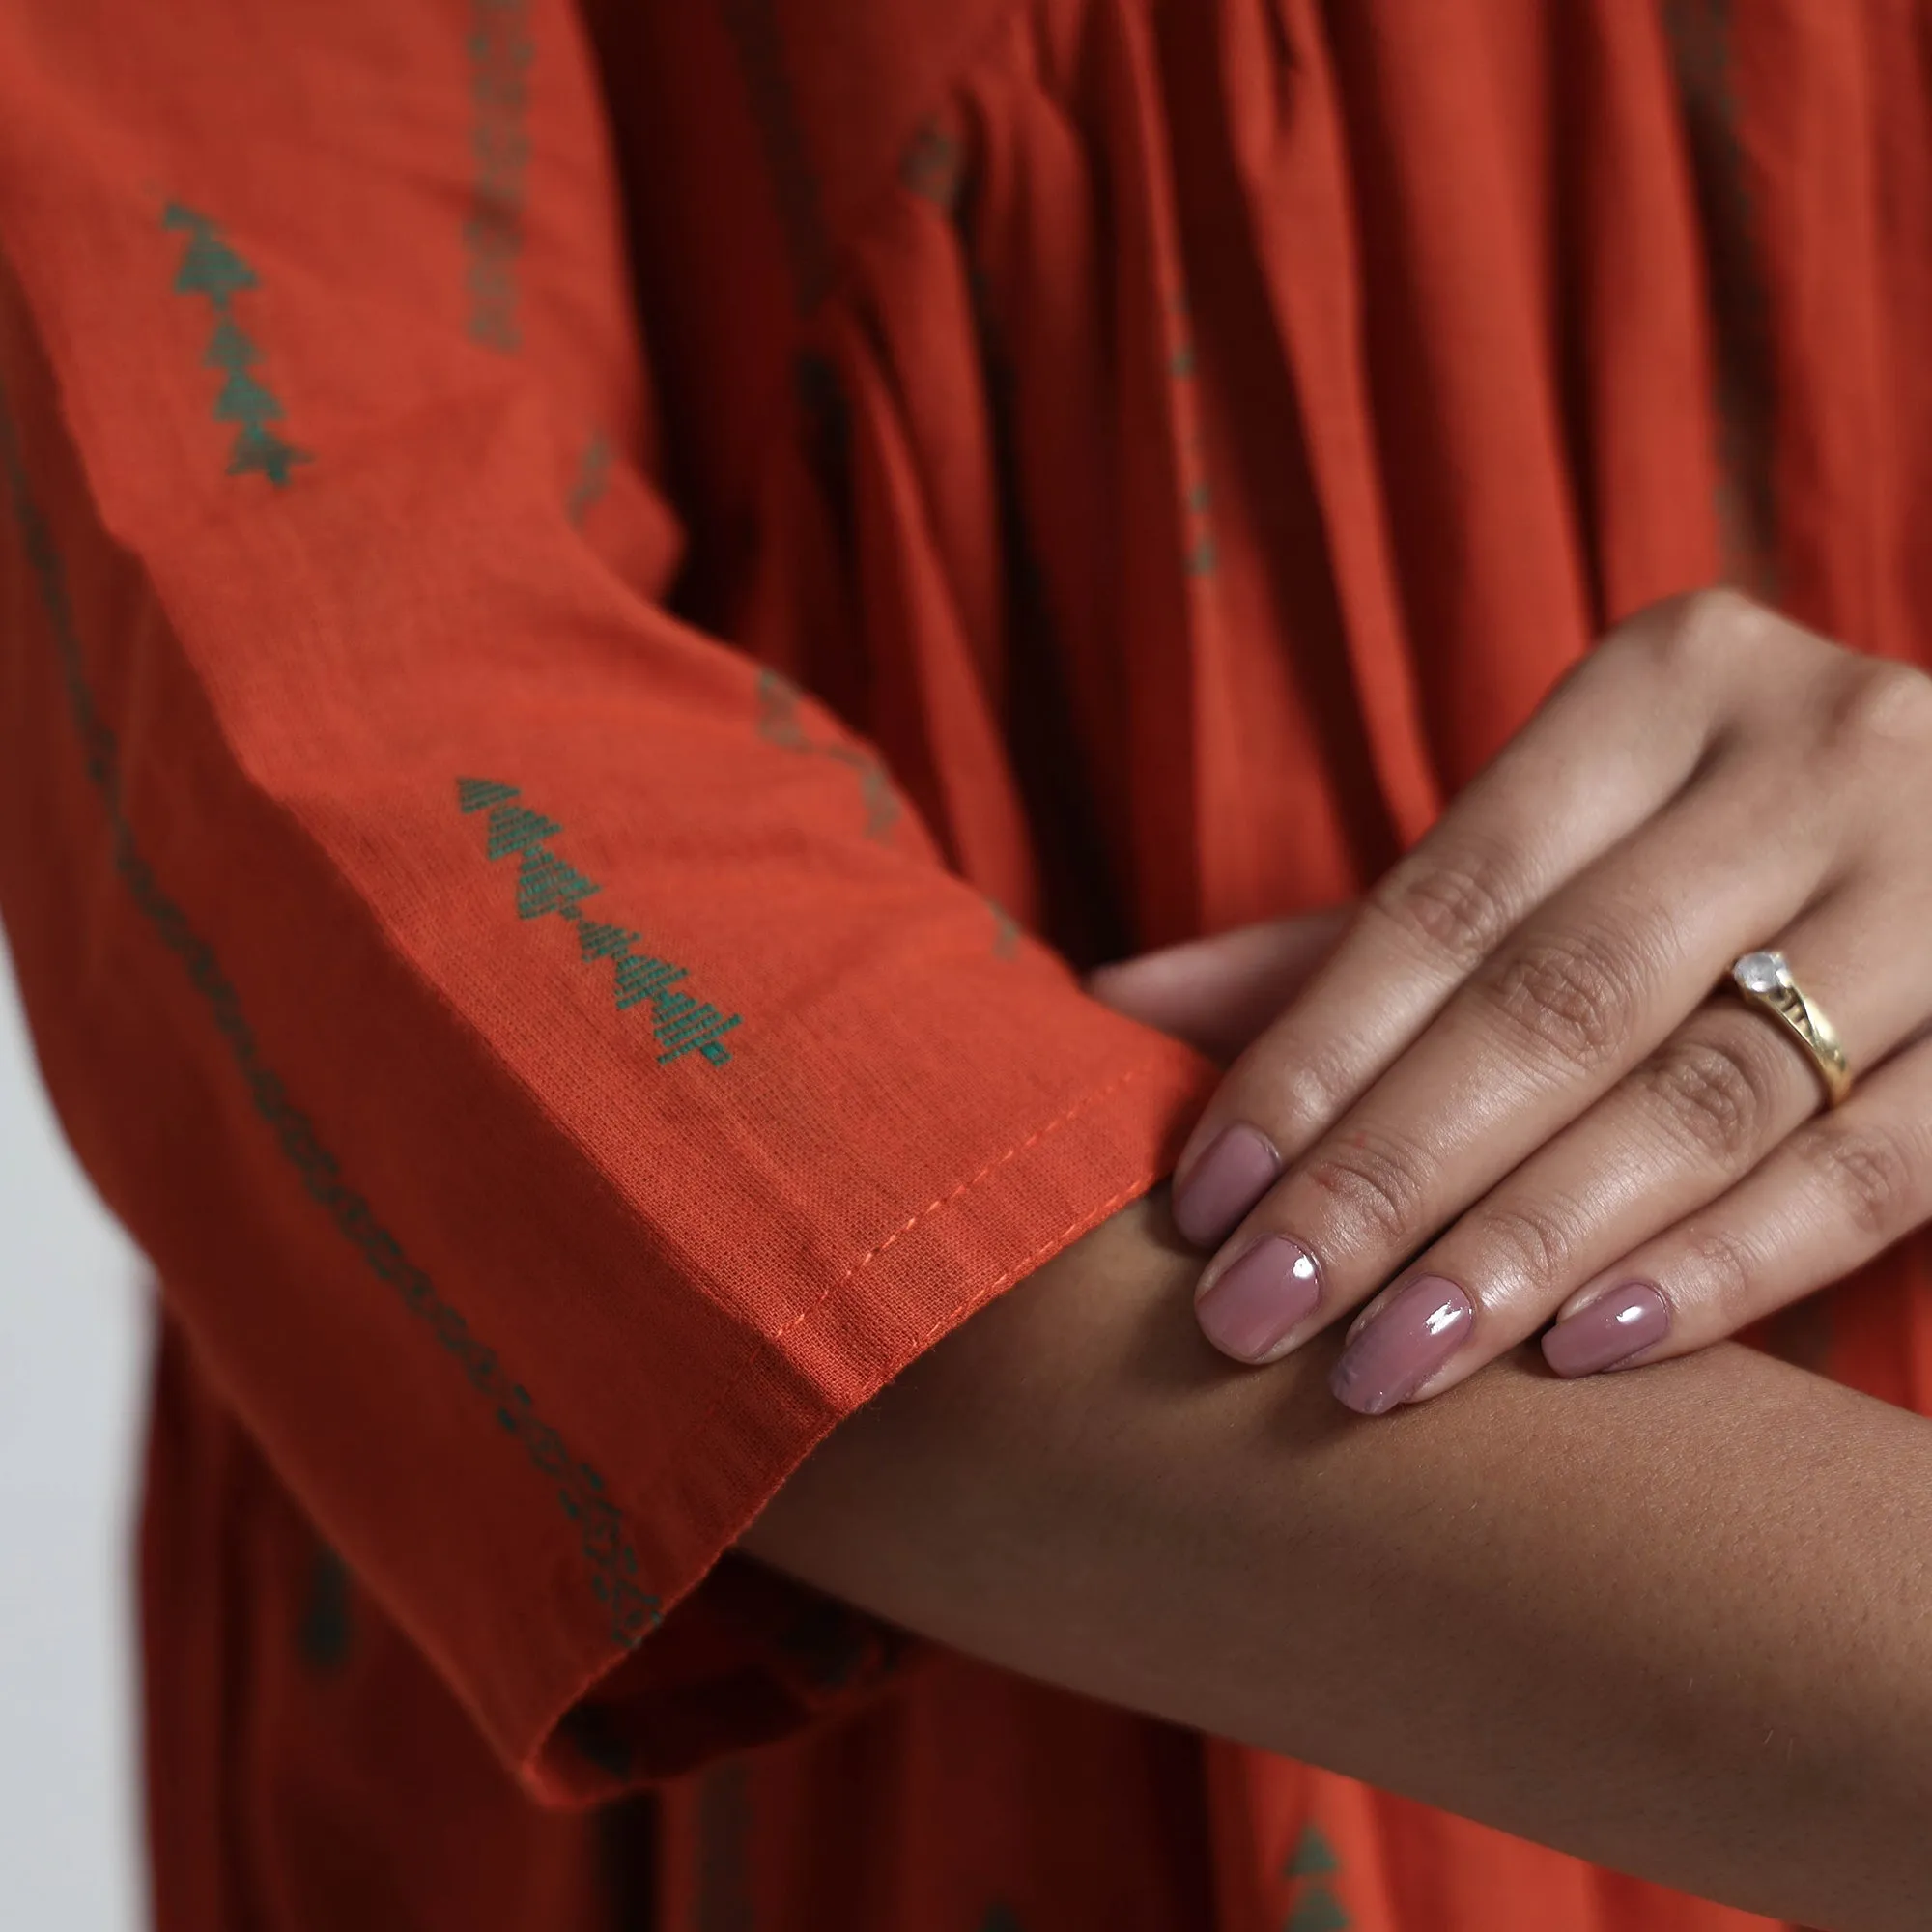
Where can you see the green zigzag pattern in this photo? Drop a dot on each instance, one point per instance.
(779, 724)
(1314, 1857)
(546, 883)
(1318, 1910)
(580, 1491)
(211, 268)
(593, 478)
(501, 54)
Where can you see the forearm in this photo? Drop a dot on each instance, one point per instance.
(1673, 1621)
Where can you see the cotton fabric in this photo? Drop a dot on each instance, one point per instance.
(598, 606)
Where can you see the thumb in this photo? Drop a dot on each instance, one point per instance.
(1218, 993)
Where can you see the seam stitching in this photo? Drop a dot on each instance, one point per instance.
(581, 1492)
(938, 1204)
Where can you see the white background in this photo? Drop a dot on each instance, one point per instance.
(73, 1341)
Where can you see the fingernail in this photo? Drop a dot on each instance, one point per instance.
(1403, 1346)
(1237, 1169)
(1610, 1330)
(1254, 1303)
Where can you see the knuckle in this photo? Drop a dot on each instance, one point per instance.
(1574, 994)
(1878, 705)
(1689, 628)
(1458, 907)
(1720, 1261)
(1535, 1242)
(1716, 1095)
(1305, 1091)
(1713, 608)
(1377, 1187)
(1870, 1171)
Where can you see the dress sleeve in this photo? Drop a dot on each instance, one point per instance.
(549, 1107)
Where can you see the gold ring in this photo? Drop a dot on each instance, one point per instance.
(1764, 979)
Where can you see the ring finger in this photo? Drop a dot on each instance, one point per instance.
(1719, 1098)
(1838, 1191)
(1591, 984)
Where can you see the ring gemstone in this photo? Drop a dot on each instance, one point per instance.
(1762, 972)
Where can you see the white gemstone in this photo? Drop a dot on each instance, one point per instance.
(1760, 972)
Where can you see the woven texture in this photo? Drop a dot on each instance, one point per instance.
(596, 606)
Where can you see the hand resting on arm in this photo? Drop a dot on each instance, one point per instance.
(1677, 1623)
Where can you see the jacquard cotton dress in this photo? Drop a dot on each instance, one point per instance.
(598, 606)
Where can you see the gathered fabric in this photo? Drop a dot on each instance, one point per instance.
(600, 607)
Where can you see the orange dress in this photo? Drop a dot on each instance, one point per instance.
(594, 605)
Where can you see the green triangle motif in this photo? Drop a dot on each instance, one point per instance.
(1320, 1912)
(675, 1023)
(546, 884)
(593, 475)
(681, 1023)
(598, 941)
(667, 1008)
(259, 449)
(213, 269)
(229, 348)
(1313, 1856)
(1005, 931)
(210, 268)
(474, 794)
(243, 399)
(778, 712)
(516, 827)
(1000, 1919)
(882, 806)
(643, 978)
(779, 724)
(701, 1037)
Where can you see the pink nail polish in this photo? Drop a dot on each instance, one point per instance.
(1238, 1167)
(1253, 1304)
(1614, 1327)
(1403, 1346)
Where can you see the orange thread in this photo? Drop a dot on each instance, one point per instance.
(1075, 1228)
(939, 1202)
(1072, 1232)
(530, 1768)
(932, 1206)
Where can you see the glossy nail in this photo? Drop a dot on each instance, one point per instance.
(1610, 1330)
(1238, 1167)
(1403, 1346)
(1252, 1305)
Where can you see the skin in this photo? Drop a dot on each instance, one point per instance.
(1510, 1074)
(1544, 1606)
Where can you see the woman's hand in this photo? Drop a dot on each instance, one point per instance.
(1510, 1092)
(1220, 994)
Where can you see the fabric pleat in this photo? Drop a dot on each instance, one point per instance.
(1251, 410)
(1137, 458)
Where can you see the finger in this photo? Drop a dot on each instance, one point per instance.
(1674, 1135)
(1218, 993)
(1841, 1189)
(1599, 758)
(1596, 981)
